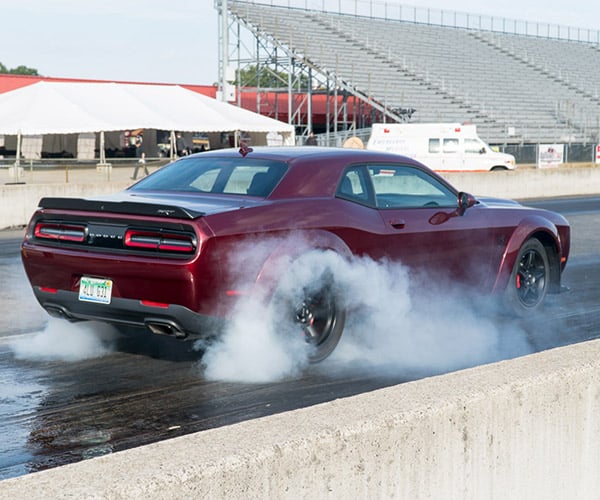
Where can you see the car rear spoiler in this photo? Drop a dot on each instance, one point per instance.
(120, 207)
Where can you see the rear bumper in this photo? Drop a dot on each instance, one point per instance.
(174, 320)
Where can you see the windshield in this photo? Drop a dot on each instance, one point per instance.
(237, 176)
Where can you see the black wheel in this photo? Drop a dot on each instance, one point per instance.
(530, 278)
(314, 310)
(322, 319)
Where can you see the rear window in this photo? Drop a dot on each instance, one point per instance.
(237, 176)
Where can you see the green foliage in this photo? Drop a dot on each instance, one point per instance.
(19, 70)
(269, 78)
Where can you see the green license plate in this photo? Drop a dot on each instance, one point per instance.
(95, 290)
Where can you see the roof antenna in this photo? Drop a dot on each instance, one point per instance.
(244, 149)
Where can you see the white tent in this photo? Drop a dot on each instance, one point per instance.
(80, 107)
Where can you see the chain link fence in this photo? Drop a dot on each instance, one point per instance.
(528, 153)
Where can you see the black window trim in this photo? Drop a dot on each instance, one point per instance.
(372, 202)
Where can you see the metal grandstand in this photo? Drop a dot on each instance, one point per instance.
(519, 82)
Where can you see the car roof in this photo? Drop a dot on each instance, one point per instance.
(313, 170)
(290, 153)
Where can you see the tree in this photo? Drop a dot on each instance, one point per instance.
(269, 78)
(24, 70)
(19, 70)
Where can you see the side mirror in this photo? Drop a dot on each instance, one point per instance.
(465, 200)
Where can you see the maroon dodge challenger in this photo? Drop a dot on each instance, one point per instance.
(162, 253)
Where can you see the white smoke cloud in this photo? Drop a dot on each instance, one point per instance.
(64, 341)
(251, 350)
(392, 324)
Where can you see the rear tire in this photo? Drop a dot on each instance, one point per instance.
(314, 310)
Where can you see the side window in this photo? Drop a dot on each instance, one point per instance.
(450, 145)
(434, 145)
(354, 186)
(408, 187)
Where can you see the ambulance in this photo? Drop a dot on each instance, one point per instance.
(444, 147)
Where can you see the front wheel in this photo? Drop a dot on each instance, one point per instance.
(530, 278)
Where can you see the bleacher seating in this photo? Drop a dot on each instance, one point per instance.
(543, 89)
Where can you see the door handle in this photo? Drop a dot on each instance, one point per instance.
(398, 223)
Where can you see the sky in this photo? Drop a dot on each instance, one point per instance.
(176, 41)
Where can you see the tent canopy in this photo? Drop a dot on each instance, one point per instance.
(78, 107)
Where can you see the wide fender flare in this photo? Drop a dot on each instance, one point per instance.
(533, 226)
(291, 247)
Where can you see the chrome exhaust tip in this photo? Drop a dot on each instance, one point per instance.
(57, 311)
(165, 328)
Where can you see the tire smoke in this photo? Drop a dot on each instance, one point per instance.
(64, 341)
(394, 325)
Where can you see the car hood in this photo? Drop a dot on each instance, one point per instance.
(497, 202)
(164, 204)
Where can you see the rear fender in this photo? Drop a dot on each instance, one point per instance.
(530, 227)
(288, 249)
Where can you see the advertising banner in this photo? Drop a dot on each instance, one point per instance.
(550, 155)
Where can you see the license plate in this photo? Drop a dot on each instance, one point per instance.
(95, 290)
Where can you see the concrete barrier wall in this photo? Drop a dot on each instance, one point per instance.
(529, 182)
(20, 201)
(524, 428)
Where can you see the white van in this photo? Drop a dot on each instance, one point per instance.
(440, 146)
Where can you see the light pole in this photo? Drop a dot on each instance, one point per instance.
(224, 49)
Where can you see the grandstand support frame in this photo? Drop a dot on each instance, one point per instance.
(516, 86)
(267, 52)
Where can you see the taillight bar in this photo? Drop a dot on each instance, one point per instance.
(150, 303)
(57, 231)
(183, 243)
